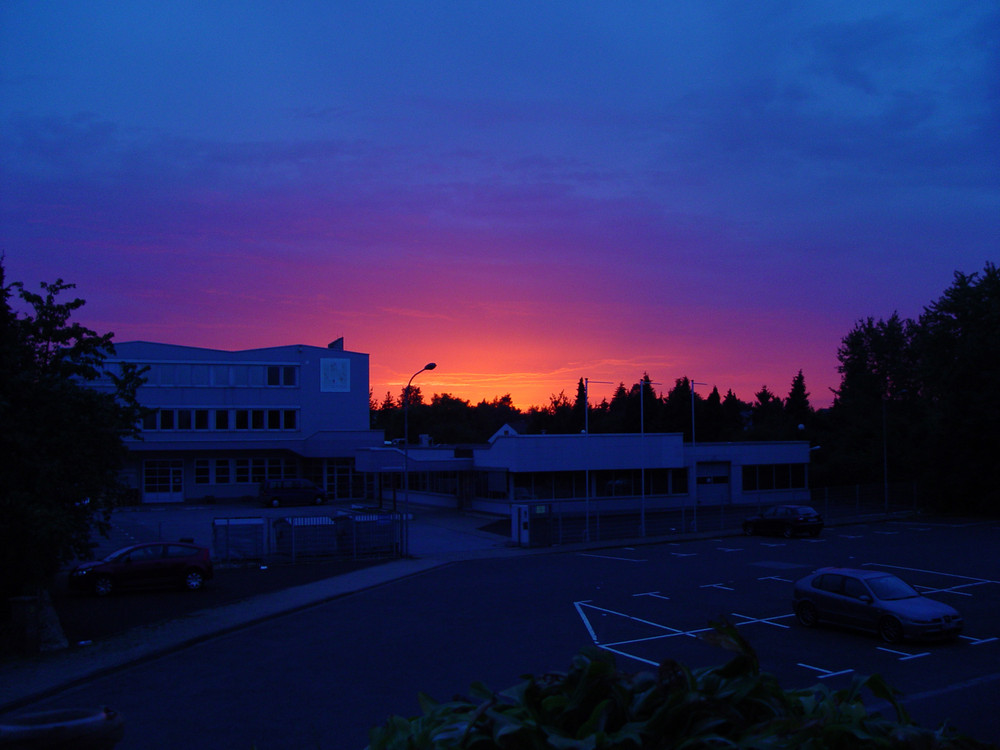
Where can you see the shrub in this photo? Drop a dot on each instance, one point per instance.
(596, 706)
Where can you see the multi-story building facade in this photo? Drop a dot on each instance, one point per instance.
(220, 422)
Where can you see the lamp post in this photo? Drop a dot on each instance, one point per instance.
(406, 457)
(694, 459)
(643, 382)
(586, 470)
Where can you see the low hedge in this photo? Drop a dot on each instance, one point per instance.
(595, 706)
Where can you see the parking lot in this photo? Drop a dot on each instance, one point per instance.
(337, 669)
(748, 582)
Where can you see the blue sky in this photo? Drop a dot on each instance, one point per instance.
(526, 193)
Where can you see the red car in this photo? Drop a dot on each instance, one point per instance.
(145, 565)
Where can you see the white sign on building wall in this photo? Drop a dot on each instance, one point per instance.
(335, 375)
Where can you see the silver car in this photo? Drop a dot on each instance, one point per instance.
(875, 601)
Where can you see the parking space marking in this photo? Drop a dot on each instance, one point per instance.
(772, 544)
(609, 557)
(580, 605)
(654, 594)
(776, 578)
(716, 586)
(974, 581)
(747, 620)
(851, 536)
(683, 554)
(949, 590)
(903, 656)
(730, 549)
(826, 672)
(977, 641)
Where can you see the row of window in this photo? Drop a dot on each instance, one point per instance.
(241, 470)
(342, 480)
(221, 419)
(774, 477)
(222, 375)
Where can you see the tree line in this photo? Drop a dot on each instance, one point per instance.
(448, 419)
(918, 401)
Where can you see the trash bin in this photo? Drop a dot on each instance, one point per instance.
(62, 729)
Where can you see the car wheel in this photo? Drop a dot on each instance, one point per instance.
(103, 585)
(806, 613)
(748, 529)
(789, 532)
(890, 630)
(194, 580)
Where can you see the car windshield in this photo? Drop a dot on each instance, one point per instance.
(889, 588)
(118, 554)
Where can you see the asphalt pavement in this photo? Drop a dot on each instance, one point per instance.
(437, 537)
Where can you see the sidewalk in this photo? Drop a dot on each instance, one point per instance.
(437, 537)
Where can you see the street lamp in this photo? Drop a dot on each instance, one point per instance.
(694, 459)
(406, 456)
(586, 470)
(643, 382)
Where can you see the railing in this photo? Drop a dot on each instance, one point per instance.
(567, 522)
(352, 536)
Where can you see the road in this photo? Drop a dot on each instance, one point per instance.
(321, 678)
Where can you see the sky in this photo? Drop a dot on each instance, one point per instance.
(526, 193)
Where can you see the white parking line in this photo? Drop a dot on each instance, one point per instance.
(609, 557)
(730, 549)
(716, 586)
(902, 654)
(683, 554)
(747, 620)
(654, 594)
(776, 578)
(977, 641)
(932, 572)
(826, 672)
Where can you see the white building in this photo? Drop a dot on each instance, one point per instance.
(220, 422)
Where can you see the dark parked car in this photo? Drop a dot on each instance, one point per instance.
(275, 492)
(875, 601)
(145, 565)
(786, 520)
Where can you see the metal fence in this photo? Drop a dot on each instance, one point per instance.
(351, 536)
(599, 520)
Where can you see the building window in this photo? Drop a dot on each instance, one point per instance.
(222, 471)
(242, 419)
(765, 477)
(281, 375)
(201, 419)
(202, 471)
(166, 419)
(149, 420)
(273, 419)
(221, 419)
(257, 419)
(291, 421)
(183, 419)
(242, 471)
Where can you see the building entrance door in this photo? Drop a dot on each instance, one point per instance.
(163, 481)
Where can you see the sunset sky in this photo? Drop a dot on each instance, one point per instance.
(526, 193)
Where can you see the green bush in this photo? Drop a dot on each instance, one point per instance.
(595, 705)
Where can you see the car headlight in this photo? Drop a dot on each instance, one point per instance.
(77, 573)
